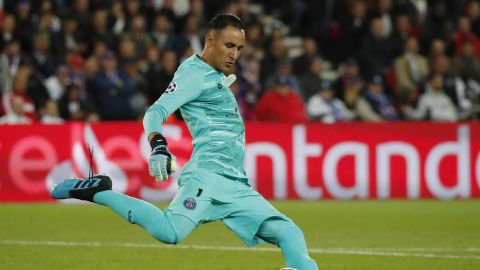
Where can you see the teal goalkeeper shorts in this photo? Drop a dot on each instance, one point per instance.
(204, 197)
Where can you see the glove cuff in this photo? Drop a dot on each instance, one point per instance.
(158, 140)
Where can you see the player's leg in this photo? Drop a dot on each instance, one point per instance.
(291, 241)
(168, 228)
(253, 219)
(165, 227)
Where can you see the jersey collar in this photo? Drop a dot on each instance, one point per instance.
(207, 66)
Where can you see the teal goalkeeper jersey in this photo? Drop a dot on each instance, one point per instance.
(211, 113)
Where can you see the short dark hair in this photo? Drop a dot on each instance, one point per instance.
(222, 21)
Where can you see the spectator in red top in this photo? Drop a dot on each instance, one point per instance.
(280, 104)
(465, 34)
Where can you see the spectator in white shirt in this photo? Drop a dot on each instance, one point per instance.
(50, 113)
(57, 83)
(323, 106)
(434, 104)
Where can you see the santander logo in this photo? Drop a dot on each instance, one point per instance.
(358, 161)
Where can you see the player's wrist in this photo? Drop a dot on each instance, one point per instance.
(157, 140)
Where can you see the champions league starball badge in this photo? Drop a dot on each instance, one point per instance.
(190, 203)
(171, 87)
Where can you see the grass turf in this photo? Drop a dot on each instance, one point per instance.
(359, 235)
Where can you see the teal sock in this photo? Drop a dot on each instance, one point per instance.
(169, 229)
(291, 241)
(294, 250)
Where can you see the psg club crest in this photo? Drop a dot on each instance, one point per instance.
(171, 87)
(190, 203)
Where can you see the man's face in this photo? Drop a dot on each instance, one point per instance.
(226, 45)
(17, 105)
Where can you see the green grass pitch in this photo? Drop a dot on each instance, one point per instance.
(413, 235)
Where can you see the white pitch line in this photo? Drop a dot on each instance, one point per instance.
(337, 251)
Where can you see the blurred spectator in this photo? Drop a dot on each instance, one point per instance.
(324, 107)
(408, 8)
(100, 47)
(44, 25)
(138, 35)
(411, 70)
(40, 58)
(132, 9)
(441, 64)
(100, 31)
(175, 8)
(7, 31)
(92, 65)
(466, 65)
(112, 91)
(403, 30)
(280, 104)
(439, 23)
(374, 105)
(284, 68)
(311, 79)
(301, 64)
(20, 87)
(76, 69)
(384, 13)
(255, 41)
(376, 53)
(166, 7)
(57, 83)
(69, 39)
(438, 47)
(158, 82)
(198, 9)
(24, 26)
(465, 34)
(276, 52)
(138, 99)
(16, 115)
(82, 13)
(434, 104)
(473, 13)
(466, 68)
(151, 69)
(349, 86)
(127, 52)
(47, 7)
(71, 107)
(249, 87)
(49, 113)
(117, 20)
(15, 59)
(190, 37)
(353, 28)
(246, 111)
(162, 33)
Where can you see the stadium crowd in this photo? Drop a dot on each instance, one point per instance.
(305, 60)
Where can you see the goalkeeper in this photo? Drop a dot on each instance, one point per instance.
(213, 184)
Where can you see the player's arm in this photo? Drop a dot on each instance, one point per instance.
(183, 89)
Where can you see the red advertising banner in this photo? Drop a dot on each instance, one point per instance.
(312, 161)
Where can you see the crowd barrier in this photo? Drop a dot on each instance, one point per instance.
(283, 161)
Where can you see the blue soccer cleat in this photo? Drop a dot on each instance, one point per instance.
(82, 189)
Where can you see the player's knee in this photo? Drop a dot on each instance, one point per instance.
(173, 229)
(180, 235)
(164, 234)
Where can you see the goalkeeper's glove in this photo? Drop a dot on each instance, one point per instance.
(162, 163)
